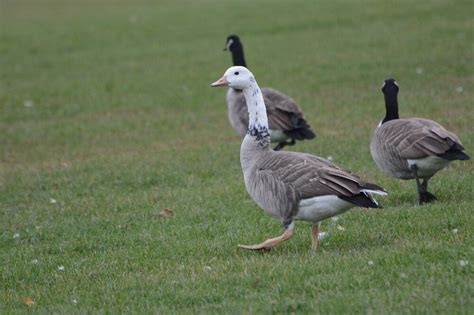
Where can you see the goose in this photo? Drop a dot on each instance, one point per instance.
(286, 120)
(413, 148)
(290, 185)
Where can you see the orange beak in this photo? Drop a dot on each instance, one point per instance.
(221, 82)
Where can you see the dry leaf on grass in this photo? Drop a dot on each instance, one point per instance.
(166, 212)
(28, 301)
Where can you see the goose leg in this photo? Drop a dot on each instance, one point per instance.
(272, 242)
(424, 195)
(315, 236)
(281, 145)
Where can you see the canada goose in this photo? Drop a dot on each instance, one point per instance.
(285, 118)
(288, 185)
(412, 148)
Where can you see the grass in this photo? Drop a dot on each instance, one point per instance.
(124, 124)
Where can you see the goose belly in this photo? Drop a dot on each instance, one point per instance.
(428, 166)
(277, 136)
(322, 207)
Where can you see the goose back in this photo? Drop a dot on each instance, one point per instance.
(280, 181)
(397, 143)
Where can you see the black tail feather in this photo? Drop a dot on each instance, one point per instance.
(453, 155)
(362, 199)
(301, 130)
(300, 133)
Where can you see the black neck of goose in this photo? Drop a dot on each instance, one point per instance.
(391, 107)
(238, 55)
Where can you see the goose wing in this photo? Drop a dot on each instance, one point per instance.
(284, 114)
(418, 138)
(311, 176)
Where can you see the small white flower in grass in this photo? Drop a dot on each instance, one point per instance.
(52, 201)
(334, 219)
(28, 103)
(459, 89)
(330, 158)
(463, 263)
(340, 228)
(419, 70)
(370, 263)
(16, 235)
(207, 269)
(322, 235)
(455, 231)
(403, 275)
(74, 301)
(35, 261)
(61, 268)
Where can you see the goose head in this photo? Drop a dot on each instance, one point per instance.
(232, 42)
(236, 77)
(390, 87)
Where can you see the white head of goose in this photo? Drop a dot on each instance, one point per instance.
(286, 120)
(288, 185)
(413, 148)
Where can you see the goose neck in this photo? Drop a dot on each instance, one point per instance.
(391, 108)
(258, 121)
(238, 55)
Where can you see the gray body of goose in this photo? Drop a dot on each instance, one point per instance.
(285, 118)
(414, 148)
(288, 185)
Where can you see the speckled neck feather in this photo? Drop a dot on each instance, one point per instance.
(258, 122)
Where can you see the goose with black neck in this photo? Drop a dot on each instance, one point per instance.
(412, 148)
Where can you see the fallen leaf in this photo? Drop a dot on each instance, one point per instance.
(166, 212)
(28, 301)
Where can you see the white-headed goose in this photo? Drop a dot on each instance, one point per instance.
(285, 118)
(413, 148)
(288, 185)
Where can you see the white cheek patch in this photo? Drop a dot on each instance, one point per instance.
(383, 84)
(229, 43)
(395, 83)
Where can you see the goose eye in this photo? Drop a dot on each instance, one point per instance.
(236, 73)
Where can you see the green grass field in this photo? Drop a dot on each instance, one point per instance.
(107, 117)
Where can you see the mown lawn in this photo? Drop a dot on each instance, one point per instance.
(107, 117)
